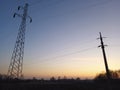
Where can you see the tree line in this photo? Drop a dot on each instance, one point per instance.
(115, 74)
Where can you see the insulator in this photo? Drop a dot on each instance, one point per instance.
(18, 7)
(14, 15)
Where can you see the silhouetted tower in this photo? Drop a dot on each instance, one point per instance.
(104, 56)
(16, 64)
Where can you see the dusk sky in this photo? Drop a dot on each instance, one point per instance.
(62, 39)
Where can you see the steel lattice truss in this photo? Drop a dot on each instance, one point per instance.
(16, 64)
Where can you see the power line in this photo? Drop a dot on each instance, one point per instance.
(39, 2)
(64, 55)
(36, 2)
(73, 11)
(57, 2)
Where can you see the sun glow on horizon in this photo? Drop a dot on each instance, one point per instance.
(61, 40)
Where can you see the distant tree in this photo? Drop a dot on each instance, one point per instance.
(100, 76)
(52, 79)
(3, 76)
(118, 72)
(59, 77)
(65, 78)
(42, 79)
(77, 78)
(0, 76)
(114, 75)
(72, 78)
(34, 78)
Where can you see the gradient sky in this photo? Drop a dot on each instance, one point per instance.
(61, 40)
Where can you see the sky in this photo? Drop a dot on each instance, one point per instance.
(61, 40)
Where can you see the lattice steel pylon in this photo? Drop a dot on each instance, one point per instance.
(16, 63)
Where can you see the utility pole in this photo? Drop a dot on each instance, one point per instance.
(104, 56)
(16, 63)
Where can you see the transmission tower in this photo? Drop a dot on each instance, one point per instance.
(104, 56)
(16, 63)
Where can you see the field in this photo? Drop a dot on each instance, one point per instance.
(68, 84)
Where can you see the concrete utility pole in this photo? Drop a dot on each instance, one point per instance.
(16, 63)
(104, 56)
